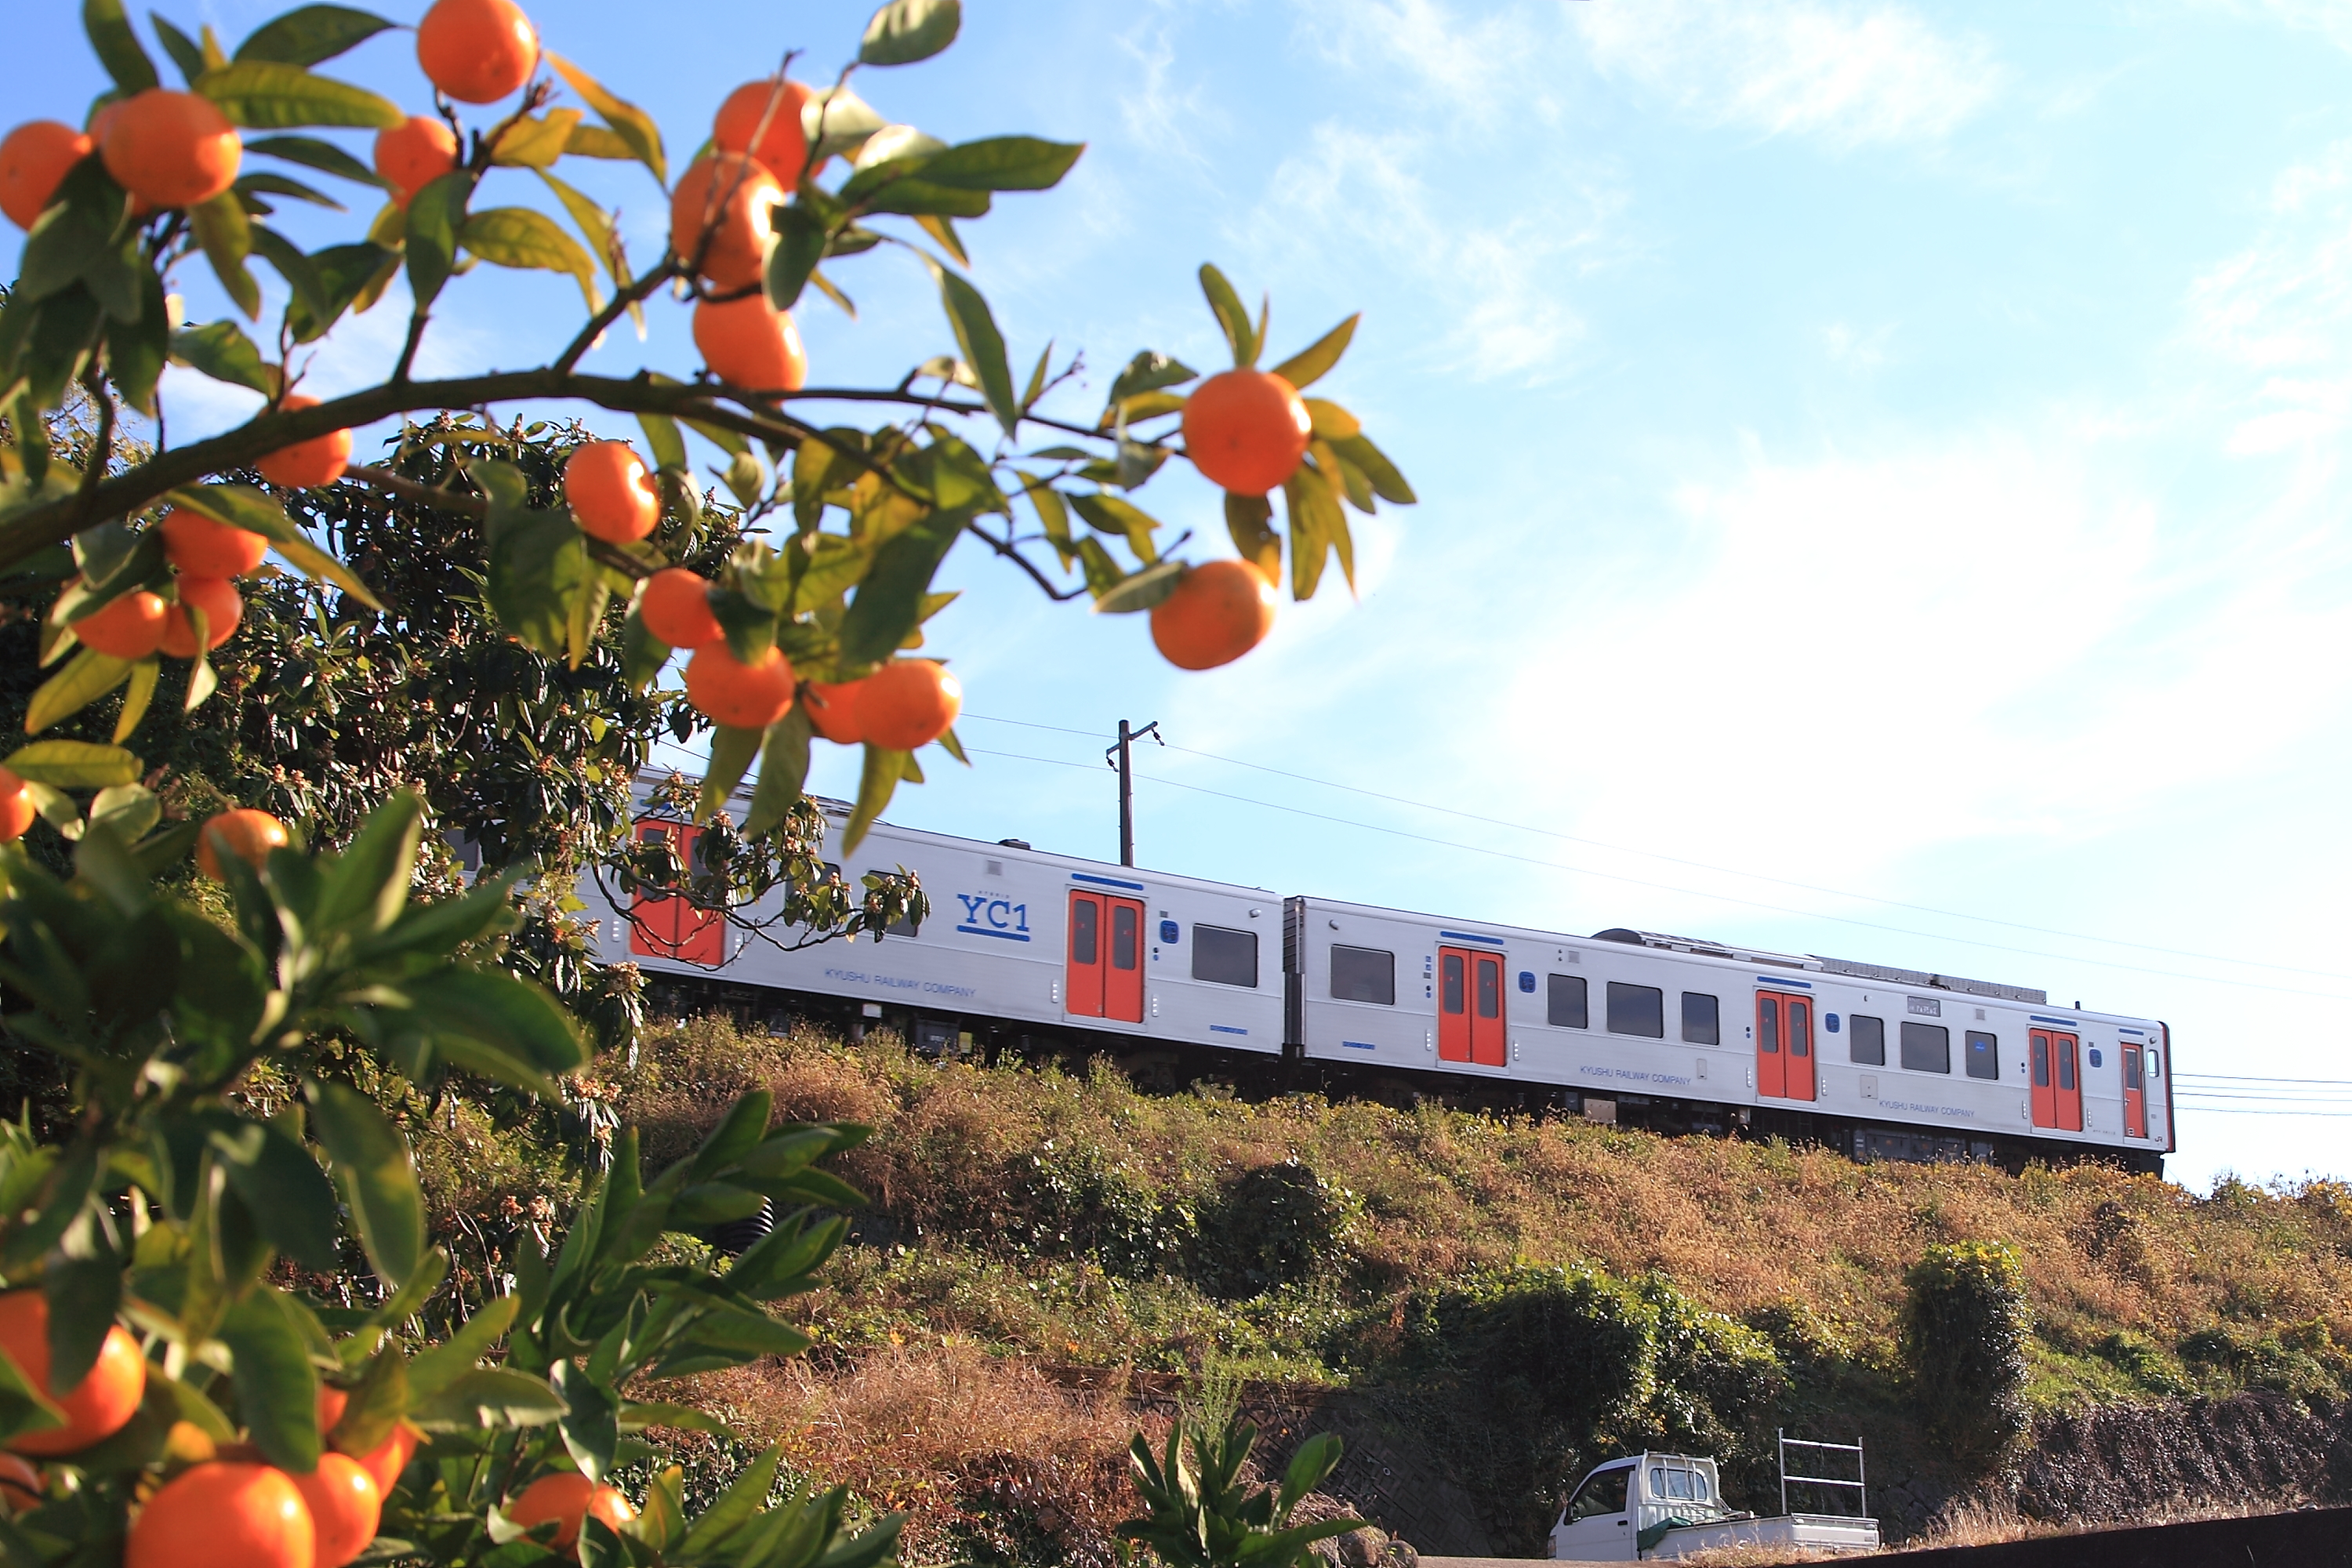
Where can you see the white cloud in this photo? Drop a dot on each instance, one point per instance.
(1848, 74)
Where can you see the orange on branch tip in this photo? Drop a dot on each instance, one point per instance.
(612, 494)
(305, 465)
(735, 197)
(345, 1506)
(228, 1513)
(34, 159)
(223, 606)
(569, 1498)
(477, 51)
(415, 152)
(741, 695)
(907, 703)
(247, 833)
(748, 342)
(16, 807)
(676, 609)
(782, 146)
(1219, 612)
(203, 547)
(130, 627)
(833, 712)
(95, 1407)
(1245, 430)
(170, 149)
(389, 1458)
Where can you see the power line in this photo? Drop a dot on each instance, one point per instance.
(1696, 864)
(1689, 892)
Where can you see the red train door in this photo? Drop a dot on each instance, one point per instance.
(670, 926)
(1106, 958)
(1800, 1042)
(2055, 1072)
(2135, 1095)
(1784, 1046)
(1772, 1062)
(1487, 1025)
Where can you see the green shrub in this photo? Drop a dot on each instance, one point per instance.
(2301, 1360)
(1068, 1199)
(1273, 1226)
(1965, 1323)
(1717, 1381)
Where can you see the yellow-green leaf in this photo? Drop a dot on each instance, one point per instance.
(87, 677)
(631, 124)
(1308, 366)
(273, 95)
(135, 700)
(1333, 422)
(536, 143)
(75, 764)
(523, 237)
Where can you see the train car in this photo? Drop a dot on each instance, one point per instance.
(1017, 939)
(1025, 948)
(1889, 1063)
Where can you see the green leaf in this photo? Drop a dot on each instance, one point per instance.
(731, 753)
(116, 46)
(301, 276)
(75, 239)
(242, 506)
(487, 1397)
(1145, 589)
(801, 240)
(271, 95)
(372, 1166)
(1001, 164)
(524, 239)
(345, 274)
(221, 351)
(1232, 316)
(143, 676)
(838, 122)
(1249, 519)
(631, 124)
(377, 1403)
(462, 1351)
(1148, 372)
(1318, 527)
(367, 886)
(784, 771)
(136, 351)
(23, 1406)
(434, 215)
(593, 223)
(875, 782)
(87, 677)
(590, 1429)
(283, 1188)
(309, 34)
(536, 143)
(1387, 483)
(227, 235)
(315, 153)
(905, 31)
(1313, 1463)
(983, 344)
(185, 51)
(83, 1295)
(1307, 367)
(597, 142)
(131, 810)
(516, 1019)
(277, 1391)
(743, 1500)
(889, 600)
(263, 183)
(1107, 513)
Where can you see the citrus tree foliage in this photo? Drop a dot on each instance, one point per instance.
(166, 1209)
(866, 515)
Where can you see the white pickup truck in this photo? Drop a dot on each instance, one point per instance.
(1651, 1506)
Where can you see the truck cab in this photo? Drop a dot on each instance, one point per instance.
(1619, 1513)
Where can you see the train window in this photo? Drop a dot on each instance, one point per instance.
(1926, 1047)
(1225, 957)
(1564, 1002)
(1125, 938)
(1866, 1039)
(1637, 1010)
(1363, 974)
(1490, 989)
(1702, 1023)
(1984, 1055)
(1085, 943)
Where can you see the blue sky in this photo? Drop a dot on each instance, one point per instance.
(1882, 465)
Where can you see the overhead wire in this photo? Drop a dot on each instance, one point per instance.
(1671, 888)
(1696, 864)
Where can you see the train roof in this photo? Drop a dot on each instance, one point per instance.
(1916, 978)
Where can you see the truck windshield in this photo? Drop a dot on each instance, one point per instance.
(1603, 1492)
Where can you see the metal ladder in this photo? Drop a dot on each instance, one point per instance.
(1857, 1485)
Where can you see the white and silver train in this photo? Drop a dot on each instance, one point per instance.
(1028, 949)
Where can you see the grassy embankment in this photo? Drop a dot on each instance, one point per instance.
(1537, 1292)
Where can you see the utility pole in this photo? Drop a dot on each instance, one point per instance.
(1117, 757)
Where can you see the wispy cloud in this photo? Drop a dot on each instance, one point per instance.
(1848, 75)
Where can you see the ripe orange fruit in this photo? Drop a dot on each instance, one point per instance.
(246, 832)
(784, 146)
(1246, 430)
(734, 198)
(676, 609)
(320, 460)
(389, 1458)
(833, 711)
(345, 1505)
(332, 1404)
(739, 696)
(568, 1497)
(96, 1406)
(203, 547)
(613, 496)
(35, 158)
(477, 51)
(130, 627)
(223, 606)
(171, 149)
(226, 1514)
(749, 343)
(415, 152)
(16, 814)
(1219, 612)
(909, 703)
(21, 1483)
